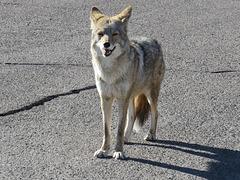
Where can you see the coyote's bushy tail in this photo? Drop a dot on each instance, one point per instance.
(142, 109)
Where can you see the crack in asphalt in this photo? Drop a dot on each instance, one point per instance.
(45, 64)
(47, 99)
(211, 72)
(226, 71)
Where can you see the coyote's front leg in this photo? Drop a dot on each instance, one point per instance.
(130, 121)
(106, 105)
(122, 109)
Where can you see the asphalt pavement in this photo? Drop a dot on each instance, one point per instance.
(50, 116)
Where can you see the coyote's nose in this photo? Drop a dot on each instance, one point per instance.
(106, 44)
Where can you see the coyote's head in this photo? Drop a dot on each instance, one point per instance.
(109, 34)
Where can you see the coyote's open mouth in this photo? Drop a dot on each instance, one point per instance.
(108, 52)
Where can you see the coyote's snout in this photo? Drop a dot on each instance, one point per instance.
(130, 71)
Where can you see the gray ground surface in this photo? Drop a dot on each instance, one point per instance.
(50, 117)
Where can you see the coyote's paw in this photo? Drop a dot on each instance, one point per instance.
(100, 153)
(150, 137)
(119, 155)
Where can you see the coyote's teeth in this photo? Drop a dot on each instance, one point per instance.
(108, 52)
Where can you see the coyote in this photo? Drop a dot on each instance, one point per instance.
(130, 71)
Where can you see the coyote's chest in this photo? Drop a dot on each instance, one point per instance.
(112, 79)
(119, 89)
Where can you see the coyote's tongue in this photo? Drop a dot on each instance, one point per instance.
(107, 51)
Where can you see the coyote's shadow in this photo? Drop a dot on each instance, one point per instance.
(225, 163)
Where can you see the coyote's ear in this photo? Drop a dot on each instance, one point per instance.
(125, 15)
(96, 14)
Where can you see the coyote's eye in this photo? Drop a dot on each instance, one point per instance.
(115, 34)
(100, 34)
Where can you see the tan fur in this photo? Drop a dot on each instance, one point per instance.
(142, 109)
(127, 70)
